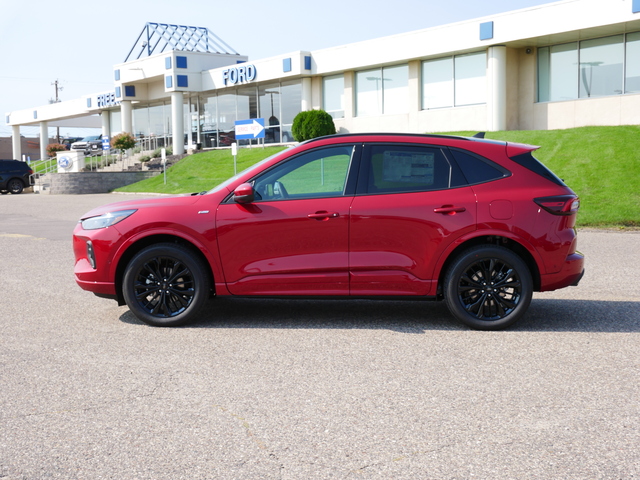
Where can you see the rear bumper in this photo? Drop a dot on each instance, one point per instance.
(570, 275)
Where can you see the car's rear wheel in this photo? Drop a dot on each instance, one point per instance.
(15, 186)
(488, 287)
(166, 285)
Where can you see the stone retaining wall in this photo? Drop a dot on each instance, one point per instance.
(92, 182)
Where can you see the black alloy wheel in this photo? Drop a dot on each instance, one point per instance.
(15, 186)
(488, 287)
(166, 285)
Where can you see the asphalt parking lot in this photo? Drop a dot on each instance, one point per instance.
(307, 389)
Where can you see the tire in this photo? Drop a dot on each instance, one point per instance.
(166, 285)
(15, 186)
(488, 287)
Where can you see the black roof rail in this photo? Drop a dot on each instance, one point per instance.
(389, 134)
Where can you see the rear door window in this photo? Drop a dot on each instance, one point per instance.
(403, 168)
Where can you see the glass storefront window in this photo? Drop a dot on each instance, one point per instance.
(209, 121)
(437, 83)
(591, 68)
(227, 117)
(632, 74)
(115, 121)
(141, 122)
(558, 72)
(333, 95)
(291, 105)
(382, 91)
(601, 70)
(269, 103)
(395, 90)
(470, 79)
(454, 81)
(369, 92)
(159, 121)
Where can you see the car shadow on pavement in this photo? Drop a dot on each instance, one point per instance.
(415, 317)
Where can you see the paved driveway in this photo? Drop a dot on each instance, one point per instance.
(305, 389)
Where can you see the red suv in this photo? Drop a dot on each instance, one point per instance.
(479, 224)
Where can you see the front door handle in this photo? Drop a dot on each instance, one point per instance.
(323, 215)
(449, 209)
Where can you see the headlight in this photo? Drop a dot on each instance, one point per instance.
(106, 220)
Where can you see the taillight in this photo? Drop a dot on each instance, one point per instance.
(560, 204)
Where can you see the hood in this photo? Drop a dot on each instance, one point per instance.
(160, 202)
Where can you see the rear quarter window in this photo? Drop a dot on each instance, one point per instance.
(477, 169)
(528, 161)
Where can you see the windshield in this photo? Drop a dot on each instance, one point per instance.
(91, 138)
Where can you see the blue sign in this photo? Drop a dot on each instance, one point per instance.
(248, 129)
(105, 143)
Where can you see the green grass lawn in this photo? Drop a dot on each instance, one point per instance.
(201, 171)
(601, 164)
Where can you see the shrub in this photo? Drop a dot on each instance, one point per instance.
(145, 158)
(123, 141)
(157, 153)
(312, 124)
(52, 148)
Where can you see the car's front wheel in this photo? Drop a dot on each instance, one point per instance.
(488, 287)
(166, 285)
(15, 186)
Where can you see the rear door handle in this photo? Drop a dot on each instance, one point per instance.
(449, 209)
(323, 215)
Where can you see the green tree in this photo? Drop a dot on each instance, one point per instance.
(123, 141)
(312, 124)
(52, 148)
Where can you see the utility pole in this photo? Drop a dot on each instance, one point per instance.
(58, 88)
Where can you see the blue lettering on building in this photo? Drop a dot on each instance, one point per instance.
(107, 100)
(241, 74)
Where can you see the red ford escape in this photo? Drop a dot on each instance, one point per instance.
(479, 224)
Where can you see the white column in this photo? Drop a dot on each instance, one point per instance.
(16, 142)
(126, 112)
(106, 123)
(177, 122)
(44, 139)
(306, 103)
(349, 95)
(497, 88)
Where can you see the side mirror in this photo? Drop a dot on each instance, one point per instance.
(243, 193)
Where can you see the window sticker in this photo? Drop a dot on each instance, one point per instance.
(408, 167)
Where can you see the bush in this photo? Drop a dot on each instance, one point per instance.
(312, 124)
(157, 153)
(52, 148)
(123, 141)
(145, 158)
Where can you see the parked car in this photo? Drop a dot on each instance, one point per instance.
(479, 224)
(91, 145)
(68, 141)
(15, 176)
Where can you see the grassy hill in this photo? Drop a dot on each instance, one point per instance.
(601, 164)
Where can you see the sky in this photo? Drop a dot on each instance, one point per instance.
(77, 42)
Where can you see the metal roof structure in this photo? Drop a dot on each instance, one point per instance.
(158, 37)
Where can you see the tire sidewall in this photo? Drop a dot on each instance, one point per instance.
(184, 255)
(463, 262)
(15, 186)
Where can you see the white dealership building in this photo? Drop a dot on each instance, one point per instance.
(561, 65)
